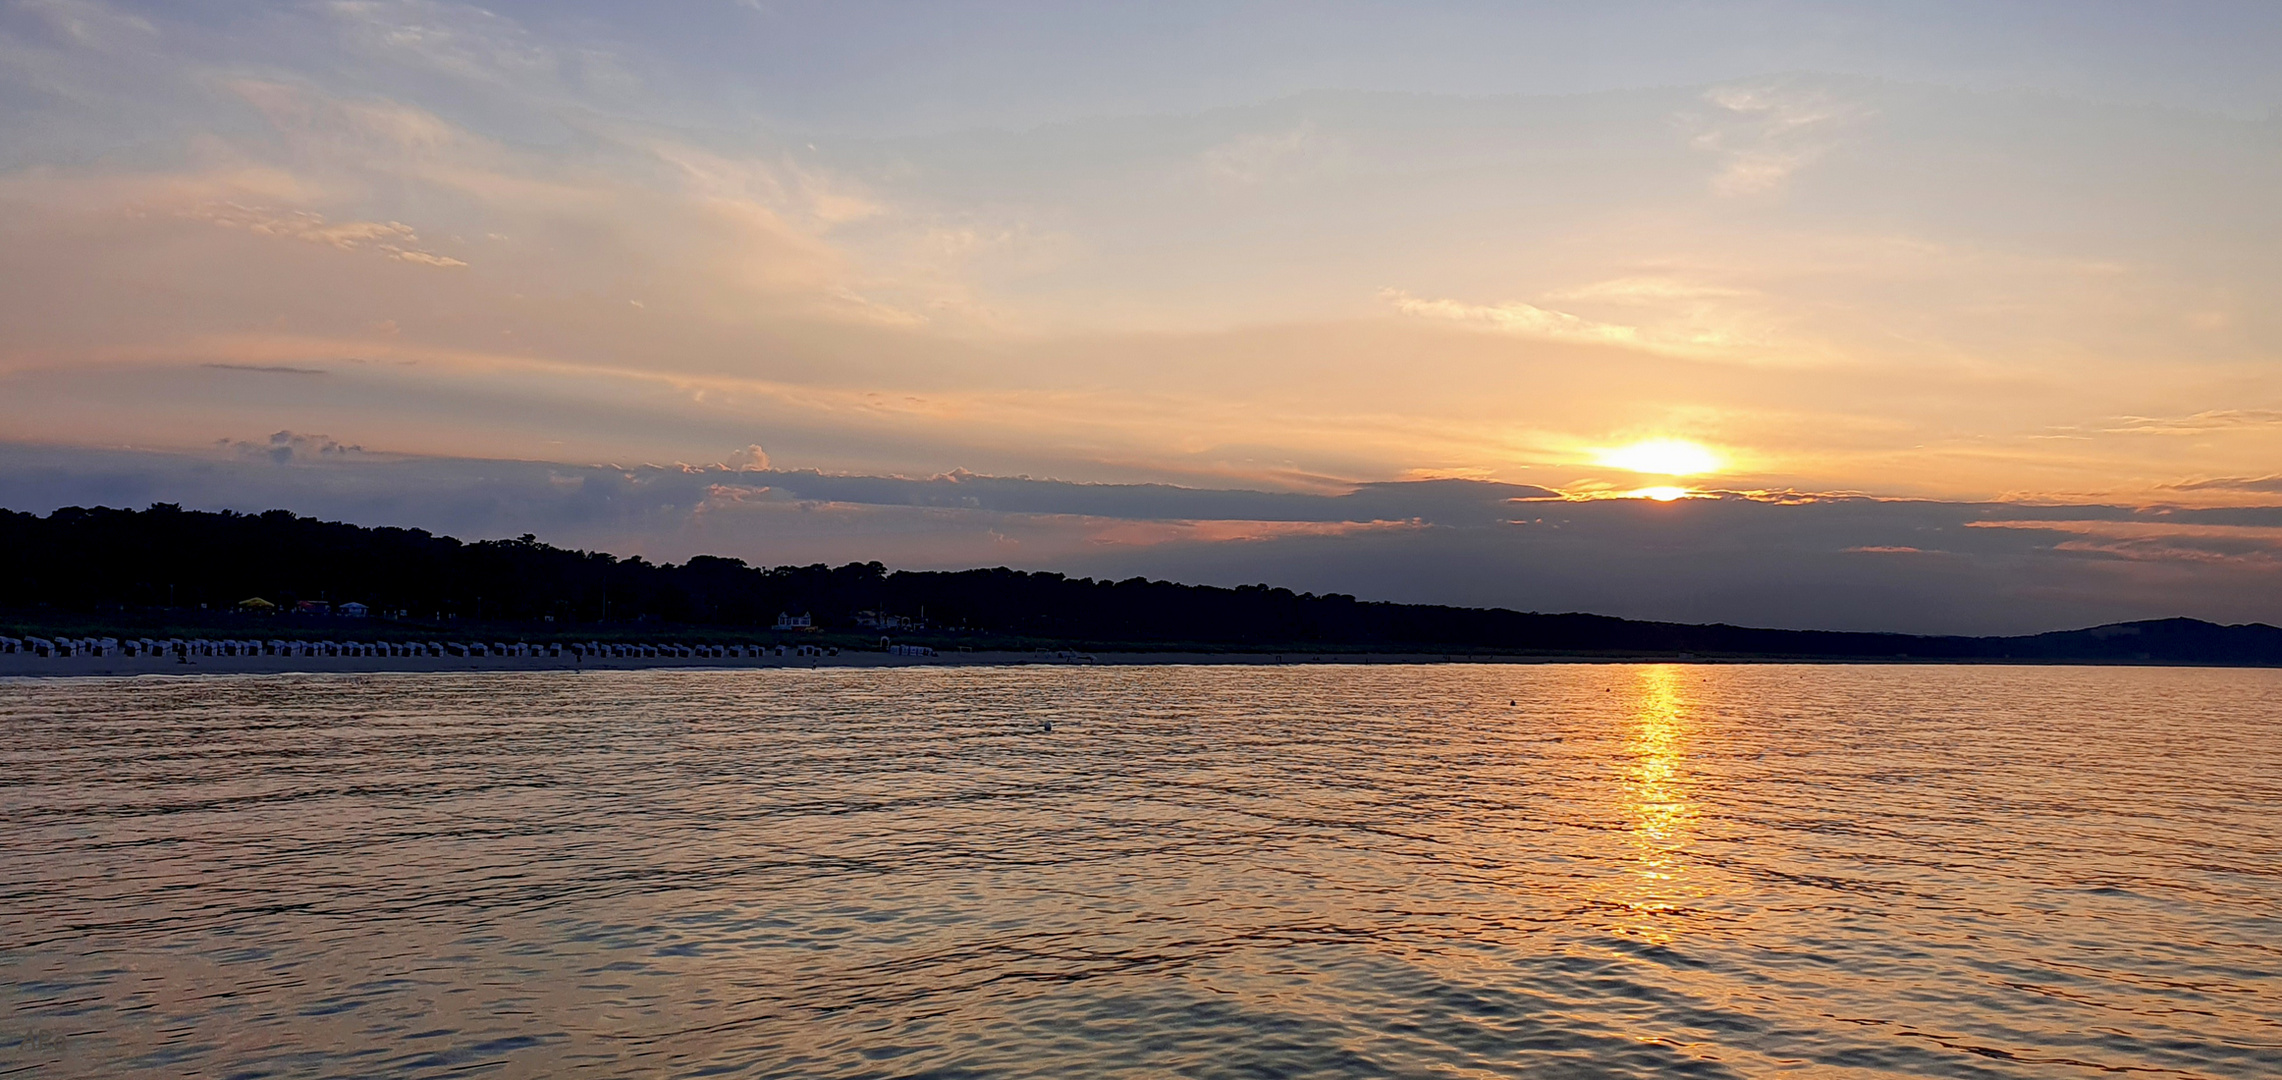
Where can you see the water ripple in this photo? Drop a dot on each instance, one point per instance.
(1460, 871)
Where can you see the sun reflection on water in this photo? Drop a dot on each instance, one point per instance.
(1656, 795)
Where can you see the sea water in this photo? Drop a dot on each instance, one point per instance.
(1449, 871)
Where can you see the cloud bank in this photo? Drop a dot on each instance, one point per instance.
(1830, 562)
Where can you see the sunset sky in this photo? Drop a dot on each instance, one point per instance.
(1926, 316)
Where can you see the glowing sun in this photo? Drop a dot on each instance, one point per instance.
(1663, 457)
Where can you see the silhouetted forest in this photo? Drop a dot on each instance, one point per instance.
(129, 564)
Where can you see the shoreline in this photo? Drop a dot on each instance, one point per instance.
(113, 666)
(120, 666)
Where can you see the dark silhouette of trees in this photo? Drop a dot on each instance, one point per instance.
(169, 559)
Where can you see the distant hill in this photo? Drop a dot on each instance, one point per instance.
(168, 563)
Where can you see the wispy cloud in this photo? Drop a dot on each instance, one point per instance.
(2269, 485)
(1652, 289)
(461, 40)
(90, 24)
(267, 369)
(1764, 133)
(2201, 423)
(1690, 329)
(386, 237)
(1265, 157)
(1514, 317)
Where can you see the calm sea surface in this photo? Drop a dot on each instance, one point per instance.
(1457, 871)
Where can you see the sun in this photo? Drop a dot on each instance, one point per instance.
(1660, 494)
(1662, 457)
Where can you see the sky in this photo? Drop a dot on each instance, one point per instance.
(1944, 317)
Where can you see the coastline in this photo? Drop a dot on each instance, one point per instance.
(114, 666)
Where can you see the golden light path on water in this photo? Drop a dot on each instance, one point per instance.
(1657, 794)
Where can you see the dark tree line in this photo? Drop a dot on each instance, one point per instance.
(167, 558)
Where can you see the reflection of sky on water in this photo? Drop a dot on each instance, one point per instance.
(1621, 871)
